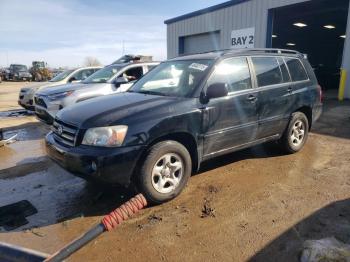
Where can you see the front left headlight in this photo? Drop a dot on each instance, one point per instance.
(111, 136)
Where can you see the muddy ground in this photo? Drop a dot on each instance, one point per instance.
(257, 204)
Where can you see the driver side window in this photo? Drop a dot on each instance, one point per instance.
(133, 73)
(234, 72)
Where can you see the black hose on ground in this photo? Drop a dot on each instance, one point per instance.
(108, 223)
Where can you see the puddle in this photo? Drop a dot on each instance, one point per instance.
(16, 113)
(59, 196)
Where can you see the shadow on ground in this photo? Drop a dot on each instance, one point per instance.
(330, 221)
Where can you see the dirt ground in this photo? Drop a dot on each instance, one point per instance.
(257, 204)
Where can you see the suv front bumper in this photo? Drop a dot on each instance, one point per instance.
(108, 165)
(25, 100)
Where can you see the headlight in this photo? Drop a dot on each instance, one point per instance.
(111, 136)
(60, 95)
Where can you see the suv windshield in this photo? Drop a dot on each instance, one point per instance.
(19, 68)
(102, 75)
(61, 76)
(173, 78)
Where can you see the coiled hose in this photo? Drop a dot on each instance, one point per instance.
(108, 223)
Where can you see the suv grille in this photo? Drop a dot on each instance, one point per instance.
(39, 101)
(64, 134)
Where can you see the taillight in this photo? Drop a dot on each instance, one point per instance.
(320, 93)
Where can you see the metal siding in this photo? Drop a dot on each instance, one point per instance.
(247, 14)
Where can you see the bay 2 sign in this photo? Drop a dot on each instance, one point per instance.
(243, 38)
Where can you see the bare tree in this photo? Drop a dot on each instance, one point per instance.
(91, 61)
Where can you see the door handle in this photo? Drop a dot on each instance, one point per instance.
(252, 98)
(290, 90)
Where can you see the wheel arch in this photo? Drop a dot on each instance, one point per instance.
(184, 138)
(307, 111)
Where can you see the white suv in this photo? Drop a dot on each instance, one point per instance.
(26, 94)
(111, 79)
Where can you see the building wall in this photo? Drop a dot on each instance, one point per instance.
(346, 59)
(253, 13)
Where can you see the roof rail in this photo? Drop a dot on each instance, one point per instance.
(266, 50)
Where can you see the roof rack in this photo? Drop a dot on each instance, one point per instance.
(266, 50)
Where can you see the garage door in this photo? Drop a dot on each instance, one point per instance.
(201, 43)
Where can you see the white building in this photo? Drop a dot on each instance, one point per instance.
(315, 27)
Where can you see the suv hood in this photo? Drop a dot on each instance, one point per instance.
(113, 109)
(40, 86)
(50, 90)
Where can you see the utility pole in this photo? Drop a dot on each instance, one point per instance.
(7, 58)
(123, 47)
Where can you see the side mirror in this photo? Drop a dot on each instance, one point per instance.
(216, 90)
(120, 81)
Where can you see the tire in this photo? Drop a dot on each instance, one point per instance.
(164, 172)
(296, 134)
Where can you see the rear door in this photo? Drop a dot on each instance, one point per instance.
(275, 98)
(231, 121)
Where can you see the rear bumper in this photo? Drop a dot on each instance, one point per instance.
(317, 112)
(107, 165)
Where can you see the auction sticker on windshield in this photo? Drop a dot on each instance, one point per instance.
(197, 66)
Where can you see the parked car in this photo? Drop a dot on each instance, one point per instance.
(111, 79)
(17, 72)
(26, 94)
(185, 111)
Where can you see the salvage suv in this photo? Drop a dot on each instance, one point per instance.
(185, 111)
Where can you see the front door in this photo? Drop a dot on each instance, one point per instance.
(231, 121)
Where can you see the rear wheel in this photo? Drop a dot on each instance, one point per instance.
(164, 172)
(296, 134)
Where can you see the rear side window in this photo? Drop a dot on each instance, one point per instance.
(267, 71)
(296, 69)
(234, 72)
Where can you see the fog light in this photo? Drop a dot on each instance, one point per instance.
(94, 166)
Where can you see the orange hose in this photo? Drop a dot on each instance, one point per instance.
(124, 212)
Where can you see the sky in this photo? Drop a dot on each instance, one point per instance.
(64, 32)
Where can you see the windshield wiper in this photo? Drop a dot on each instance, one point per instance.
(147, 92)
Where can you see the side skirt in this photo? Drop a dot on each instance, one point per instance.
(240, 147)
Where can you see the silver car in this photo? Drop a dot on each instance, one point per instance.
(26, 94)
(111, 79)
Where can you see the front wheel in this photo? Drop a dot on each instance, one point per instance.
(296, 134)
(164, 172)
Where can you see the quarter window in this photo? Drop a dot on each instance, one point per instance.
(268, 71)
(296, 69)
(234, 72)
